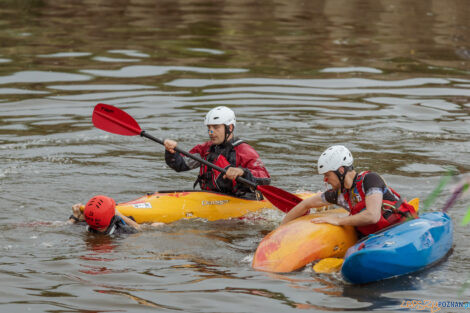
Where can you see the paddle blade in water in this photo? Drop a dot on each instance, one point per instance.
(328, 265)
(114, 120)
(281, 199)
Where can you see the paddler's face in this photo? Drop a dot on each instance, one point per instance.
(216, 133)
(331, 178)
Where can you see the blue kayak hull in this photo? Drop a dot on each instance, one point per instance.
(399, 250)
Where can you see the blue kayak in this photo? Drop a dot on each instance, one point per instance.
(402, 249)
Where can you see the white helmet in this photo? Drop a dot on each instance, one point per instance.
(333, 158)
(220, 115)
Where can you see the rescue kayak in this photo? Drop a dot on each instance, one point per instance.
(170, 206)
(402, 249)
(300, 242)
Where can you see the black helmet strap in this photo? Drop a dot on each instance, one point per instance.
(228, 132)
(340, 176)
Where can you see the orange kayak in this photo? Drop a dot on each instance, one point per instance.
(300, 242)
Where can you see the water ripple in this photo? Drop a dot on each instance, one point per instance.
(338, 83)
(154, 70)
(41, 77)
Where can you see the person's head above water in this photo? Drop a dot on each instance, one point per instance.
(99, 211)
(334, 163)
(220, 122)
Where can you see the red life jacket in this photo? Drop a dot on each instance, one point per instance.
(209, 178)
(392, 211)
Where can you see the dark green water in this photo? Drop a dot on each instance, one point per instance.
(389, 79)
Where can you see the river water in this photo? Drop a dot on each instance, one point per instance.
(389, 79)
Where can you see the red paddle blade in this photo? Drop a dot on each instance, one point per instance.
(281, 199)
(114, 120)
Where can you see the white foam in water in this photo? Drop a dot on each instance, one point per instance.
(268, 216)
(248, 259)
(51, 141)
(419, 167)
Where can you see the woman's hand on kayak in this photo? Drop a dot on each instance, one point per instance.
(233, 172)
(170, 145)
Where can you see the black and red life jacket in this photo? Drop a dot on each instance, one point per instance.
(392, 211)
(223, 156)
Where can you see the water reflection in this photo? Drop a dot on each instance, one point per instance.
(369, 297)
(41, 77)
(65, 55)
(137, 299)
(154, 70)
(342, 83)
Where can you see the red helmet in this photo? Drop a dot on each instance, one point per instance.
(99, 211)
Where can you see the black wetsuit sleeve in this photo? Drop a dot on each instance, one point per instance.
(373, 180)
(176, 161)
(257, 180)
(123, 228)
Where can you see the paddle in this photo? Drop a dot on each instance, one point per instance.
(116, 121)
(331, 265)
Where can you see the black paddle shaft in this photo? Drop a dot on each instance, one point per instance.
(200, 160)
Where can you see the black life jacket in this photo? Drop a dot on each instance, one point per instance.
(223, 156)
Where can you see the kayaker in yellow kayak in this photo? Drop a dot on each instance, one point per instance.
(372, 205)
(225, 151)
(102, 217)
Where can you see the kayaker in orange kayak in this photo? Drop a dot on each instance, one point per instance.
(371, 203)
(102, 217)
(223, 150)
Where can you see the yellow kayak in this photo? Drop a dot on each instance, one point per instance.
(300, 242)
(171, 206)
